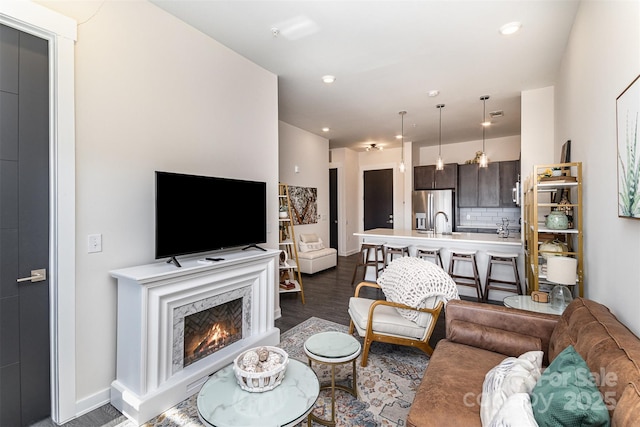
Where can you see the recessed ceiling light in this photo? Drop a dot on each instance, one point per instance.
(325, 129)
(398, 136)
(328, 79)
(510, 28)
(434, 92)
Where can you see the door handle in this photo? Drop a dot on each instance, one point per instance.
(36, 276)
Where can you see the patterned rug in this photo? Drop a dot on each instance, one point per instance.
(386, 386)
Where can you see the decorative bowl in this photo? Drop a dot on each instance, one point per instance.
(256, 375)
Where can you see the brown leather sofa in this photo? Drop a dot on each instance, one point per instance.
(480, 336)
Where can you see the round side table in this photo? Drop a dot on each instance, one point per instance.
(524, 302)
(333, 348)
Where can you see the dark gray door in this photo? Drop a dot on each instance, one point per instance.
(378, 199)
(24, 228)
(333, 208)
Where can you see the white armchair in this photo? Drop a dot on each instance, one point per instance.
(379, 320)
(416, 291)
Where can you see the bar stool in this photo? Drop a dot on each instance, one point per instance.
(511, 285)
(390, 250)
(471, 281)
(364, 259)
(424, 253)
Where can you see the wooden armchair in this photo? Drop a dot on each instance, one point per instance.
(379, 320)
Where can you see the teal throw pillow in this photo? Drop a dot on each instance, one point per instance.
(566, 394)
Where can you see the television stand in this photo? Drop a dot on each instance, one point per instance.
(254, 246)
(174, 261)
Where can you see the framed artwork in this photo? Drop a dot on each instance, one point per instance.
(565, 154)
(627, 108)
(565, 157)
(304, 204)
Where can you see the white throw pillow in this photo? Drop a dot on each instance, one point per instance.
(312, 246)
(511, 376)
(309, 238)
(516, 411)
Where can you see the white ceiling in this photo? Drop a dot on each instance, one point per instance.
(387, 56)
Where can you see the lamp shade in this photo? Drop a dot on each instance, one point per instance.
(562, 270)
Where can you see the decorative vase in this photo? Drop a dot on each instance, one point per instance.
(560, 297)
(283, 214)
(557, 220)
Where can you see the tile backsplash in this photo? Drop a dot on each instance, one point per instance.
(489, 217)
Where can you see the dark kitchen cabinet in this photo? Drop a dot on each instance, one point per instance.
(489, 186)
(478, 187)
(509, 175)
(468, 185)
(428, 178)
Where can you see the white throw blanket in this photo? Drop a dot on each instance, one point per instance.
(412, 281)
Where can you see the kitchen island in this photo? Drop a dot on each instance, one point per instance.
(480, 242)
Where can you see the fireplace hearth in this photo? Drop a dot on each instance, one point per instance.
(210, 330)
(165, 315)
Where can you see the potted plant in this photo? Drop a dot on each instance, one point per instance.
(284, 212)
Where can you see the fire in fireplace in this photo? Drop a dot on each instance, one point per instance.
(210, 330)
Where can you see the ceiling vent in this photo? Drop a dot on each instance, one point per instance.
(494, 114)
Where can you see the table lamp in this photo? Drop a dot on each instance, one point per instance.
(561, 271)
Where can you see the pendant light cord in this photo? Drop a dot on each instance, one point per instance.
(440, 107)
(402, 113)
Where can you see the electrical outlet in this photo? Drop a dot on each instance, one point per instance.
(468, 216)
(94, 243)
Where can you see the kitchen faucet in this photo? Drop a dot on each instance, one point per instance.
(435, 223)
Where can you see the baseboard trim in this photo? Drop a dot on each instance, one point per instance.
(88, 404)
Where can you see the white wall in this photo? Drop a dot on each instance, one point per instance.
(151, 94)
(601, 60)
(346, 163)
(310, 153)
(537, 129)
(497, 149)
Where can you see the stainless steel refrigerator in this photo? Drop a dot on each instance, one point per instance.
(434, 210)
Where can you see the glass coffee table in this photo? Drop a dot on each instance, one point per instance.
(222, 403)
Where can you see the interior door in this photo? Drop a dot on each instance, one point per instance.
(378, 199)
(333, 208)
(24, 229)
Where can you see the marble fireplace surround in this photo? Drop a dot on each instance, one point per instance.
(151, 300)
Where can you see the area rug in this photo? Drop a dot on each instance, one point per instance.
(386, 386)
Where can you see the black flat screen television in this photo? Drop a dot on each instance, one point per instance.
(200, 214)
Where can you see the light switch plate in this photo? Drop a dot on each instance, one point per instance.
(94, 243)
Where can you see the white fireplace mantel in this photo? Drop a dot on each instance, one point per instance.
(150, 296)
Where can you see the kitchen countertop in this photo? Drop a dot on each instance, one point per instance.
(513, 239)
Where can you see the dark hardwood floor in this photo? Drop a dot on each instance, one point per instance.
(327, 296)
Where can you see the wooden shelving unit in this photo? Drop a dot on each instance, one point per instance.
(541, 196)
(289, 266)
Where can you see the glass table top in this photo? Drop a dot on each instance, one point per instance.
(332, 344)
(222, 403)
(524, 302)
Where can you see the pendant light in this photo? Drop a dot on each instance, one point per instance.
(484, 162)
(402, 167)
(440, 164)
